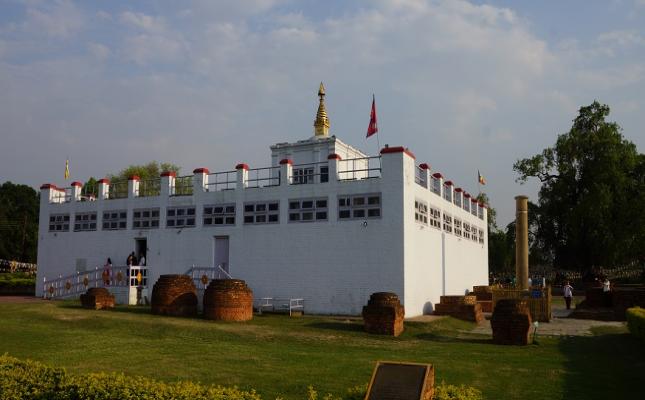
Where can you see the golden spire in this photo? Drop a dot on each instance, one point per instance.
(321, 124)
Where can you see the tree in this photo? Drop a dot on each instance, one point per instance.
(19, 207)
(149, 171)
(500, 255)
(589, 212)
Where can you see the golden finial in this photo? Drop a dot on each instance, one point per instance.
(321, 124)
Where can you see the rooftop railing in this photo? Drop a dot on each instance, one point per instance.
(359, 168)
(263, 177)
(183, 186)
(226, 180)
(149, 187)
(420, 177)
(118, 190)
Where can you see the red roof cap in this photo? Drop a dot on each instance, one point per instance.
(334, 156)
(134, 178)
(437, 175)
(286, 161)
(169, 173)
(201, 171)
(104, 180)
(242, 166)
(76, 183)
(397, 149)
(424, 166)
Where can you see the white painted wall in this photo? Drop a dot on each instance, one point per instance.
(334, 265)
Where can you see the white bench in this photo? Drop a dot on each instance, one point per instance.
(283, 304)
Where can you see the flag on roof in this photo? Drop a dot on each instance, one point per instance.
(480, 178)
(373, 127)
(67, 169)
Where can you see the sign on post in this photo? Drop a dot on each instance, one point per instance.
(401, 381)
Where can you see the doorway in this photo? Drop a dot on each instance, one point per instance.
(141, 250)
(220, 252)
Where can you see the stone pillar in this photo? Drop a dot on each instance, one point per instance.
(167, 183)
(200, 180)
(332, 162)
(76, 191)
(242, 175)
(425, 174)
(521, 242)
(103, 189)
(286, 172)
(133, 186)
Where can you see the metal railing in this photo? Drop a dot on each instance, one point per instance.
(149, 187)
(118, 190)
(310, 173)
(79, 282)
(359, 168)
(420, 177)
(183, 186)
(263, 177)
(226, 180)
(89, 192)
(202, 276)
(435, 186)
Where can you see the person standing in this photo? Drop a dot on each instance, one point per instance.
(606, 292)
(567, 290)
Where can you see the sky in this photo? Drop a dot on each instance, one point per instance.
(467, 86)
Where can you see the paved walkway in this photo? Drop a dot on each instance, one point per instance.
(560, 325)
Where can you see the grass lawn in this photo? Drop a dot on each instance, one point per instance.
(278, 355)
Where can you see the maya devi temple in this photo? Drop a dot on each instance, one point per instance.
(324, 222)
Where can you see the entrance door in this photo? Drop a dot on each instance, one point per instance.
(220, 256)
(141, 249)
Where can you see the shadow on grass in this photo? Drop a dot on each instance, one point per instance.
(438, 337)
(605, 366)
(337, 326)
(124, 309)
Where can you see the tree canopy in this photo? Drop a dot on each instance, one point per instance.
(147, 171)
(19, 205)
(590, 209)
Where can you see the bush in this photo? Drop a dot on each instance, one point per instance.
(636, 321)
(27, 380)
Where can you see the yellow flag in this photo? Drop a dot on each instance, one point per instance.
(66, 169)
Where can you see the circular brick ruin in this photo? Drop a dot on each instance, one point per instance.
(462, 307)
(97, 299)
(384, 314)
(511, 322)
(228, 300)
(174, 295)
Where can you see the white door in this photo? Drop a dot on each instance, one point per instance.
(221, 252)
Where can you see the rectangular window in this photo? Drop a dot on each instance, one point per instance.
(473, 208)
(180, 217)
(59, 222)
(480, 212)
(421, 212)
(85, 221)
(324, 174)
(115, 220)
(457, 227)
(435, 218)
(359, 206)
(303, 175)
(219, 214)
(481, 236)
(473, 234)
(436, 186)
(307, 210)
(457, 199)
(262, 212)
(466, 230)
(447, 222)
(467, 204)
(145, 218)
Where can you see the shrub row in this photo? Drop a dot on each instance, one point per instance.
(22, 380)
(636, 321)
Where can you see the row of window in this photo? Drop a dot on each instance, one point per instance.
(266, 212)
(432, 216)
(435, 187)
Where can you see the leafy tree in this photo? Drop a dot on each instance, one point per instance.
(148, 171)
(19, 207)
(590, 211)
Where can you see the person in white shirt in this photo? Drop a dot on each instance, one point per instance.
(606, 292)
(567, 289)
(142, 260)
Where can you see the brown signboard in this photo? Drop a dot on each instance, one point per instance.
(401, 381)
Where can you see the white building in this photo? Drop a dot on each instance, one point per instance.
(324, 223)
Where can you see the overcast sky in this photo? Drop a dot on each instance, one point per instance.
(204, 83)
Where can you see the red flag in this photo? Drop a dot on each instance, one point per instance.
(372, 128)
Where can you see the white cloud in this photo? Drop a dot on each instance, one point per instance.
(622, 38)
(147, 23)
(100, 51)
(58, 19)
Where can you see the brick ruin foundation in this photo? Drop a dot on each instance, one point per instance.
(462, 307)
(228, 300)
(174, 295)
(384, 314)
(97, 299)
(484, 296)
(609, 306)
(511, 322)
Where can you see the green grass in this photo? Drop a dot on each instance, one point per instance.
(278, 355)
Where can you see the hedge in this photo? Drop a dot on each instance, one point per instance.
(636, 321)
(23, 380)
